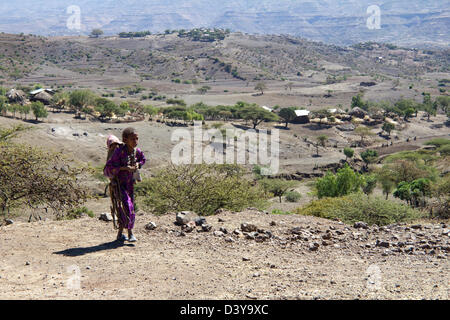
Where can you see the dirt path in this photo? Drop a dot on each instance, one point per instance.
(38, 260)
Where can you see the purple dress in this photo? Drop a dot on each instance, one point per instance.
(121, 158)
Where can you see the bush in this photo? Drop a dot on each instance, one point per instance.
(202, 188)
(360, 207)
(33, 177)
(345, 181)
(293, 196)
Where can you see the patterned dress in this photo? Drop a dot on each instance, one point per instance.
(122, 158)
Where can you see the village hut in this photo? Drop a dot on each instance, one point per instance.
(301, 116)
(43, 96)
(358, 112)
(16, 96)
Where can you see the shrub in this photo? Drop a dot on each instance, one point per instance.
(33, 177)
(293, 196)
(360, 207)
(345, 181)
(202, 188)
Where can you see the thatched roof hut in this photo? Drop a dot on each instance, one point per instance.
(358, 112)
(16, 96)
(43, 97)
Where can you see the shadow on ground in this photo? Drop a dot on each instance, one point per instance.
(74, 252)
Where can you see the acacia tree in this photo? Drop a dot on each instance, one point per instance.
(363, 132)
(287, 114)
(261, 86)
(388, 127)
(79, 99)
(349, 152)
(278, 187)
(39, 110)
(257, 114)
(33, 177)
(96, 33)
(320, 141)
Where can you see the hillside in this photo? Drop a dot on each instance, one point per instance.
(239, 57)
(340, 22)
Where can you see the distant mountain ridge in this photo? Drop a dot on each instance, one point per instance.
(342, 22)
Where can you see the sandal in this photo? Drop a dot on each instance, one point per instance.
(122, 238)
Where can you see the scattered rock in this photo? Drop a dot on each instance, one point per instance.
(222, 229)
(360, 225)
(245, 259)
(150, 226)
(106, 216)
(218, 233)
(416, 226)
(229, 239)
(246, 227)
(206, 227)
(199, 221)
(220, 220)
(27, 263)
(314, 246)
(252, 235)
(384, 244)
(9, 221)
(327, 236)
(273, 223)
(256, 275)
(188, 227)
(237, 232)
(184, 217)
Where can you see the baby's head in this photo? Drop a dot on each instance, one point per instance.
(130, 137)
(112, 142)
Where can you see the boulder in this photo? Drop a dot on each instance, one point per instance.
(150, 226)
(184, 217)
(247, 227)
(106, 216)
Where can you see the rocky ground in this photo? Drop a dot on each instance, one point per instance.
(245, 255)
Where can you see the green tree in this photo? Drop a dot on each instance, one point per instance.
(388, 127)
(39, 110)
(277, 187)
(369, 156)
(96, 32)
(80, 99)
(363, 132)
(261, 86)
(25, 110)
(369, 182)
(348, 152)
(344, 182)
(320, 141)
(357, 101)
(287, 114)
(203, 89)
(386, 177)
(256, 115)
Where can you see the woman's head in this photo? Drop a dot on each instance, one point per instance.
(130, 137)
